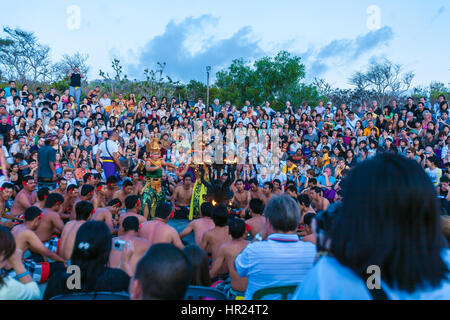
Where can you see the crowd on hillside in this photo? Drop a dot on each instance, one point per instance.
(130, 163)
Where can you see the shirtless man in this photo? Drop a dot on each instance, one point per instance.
(51, 222)
(26, 239)
(157, 230)
(277, 190)
(241, 198)
(25, 198)
(127, 190)
(108, 215)
(181, 198)
(257, 221)
(308, 233)
(291, 190)
(214, 238)
(305, 205)
(83, 211)
(267, 191)
(137, 184)
(133, 205)
(111, 183)
(86, 194)
(69, 200)
(6, 201)
(255, 191)
(42, 195)
(130, 225)
(201, 225)
(100, 196)
(88, 178)
(226, 256)
(318, 202)
(61, 187)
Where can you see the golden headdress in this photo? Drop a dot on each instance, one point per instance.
(153, 146)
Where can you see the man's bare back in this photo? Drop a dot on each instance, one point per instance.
(140, 248)
(157, 231)
(228, 252)
(104, 215)
(321, 204)
(73, 214)
(68, 238)
(213, 239)
(129, 214)
(256, 224)
(200, 227)
(51, 224)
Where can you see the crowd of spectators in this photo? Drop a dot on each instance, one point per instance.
(288, 180)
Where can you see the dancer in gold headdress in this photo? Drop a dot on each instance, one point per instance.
(153, 192)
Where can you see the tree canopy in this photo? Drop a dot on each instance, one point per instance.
(274, 79)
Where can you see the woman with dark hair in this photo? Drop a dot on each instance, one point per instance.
(22, 286)
(21, 126)
(11, 138)
(29, 116)
(350, 159)
(91, 252)
(388, 221)
(199, 261)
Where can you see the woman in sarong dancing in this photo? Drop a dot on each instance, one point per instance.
(153, 192)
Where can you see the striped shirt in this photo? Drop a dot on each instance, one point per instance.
(281, 260)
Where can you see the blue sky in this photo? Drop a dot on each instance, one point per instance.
(332, 37)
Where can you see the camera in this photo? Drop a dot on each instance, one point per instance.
(120, 244)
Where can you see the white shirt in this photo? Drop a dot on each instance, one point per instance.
(15, 290)
(281, 176)
(5, 151)
(112, 147)
(319, 109)
(105, 102)
(200, 106)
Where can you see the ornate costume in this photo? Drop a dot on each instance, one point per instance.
(153, 191)
(198, 192)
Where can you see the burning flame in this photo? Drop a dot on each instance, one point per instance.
(214, 203)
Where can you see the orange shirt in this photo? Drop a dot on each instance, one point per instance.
(79, 173)
(368, 131)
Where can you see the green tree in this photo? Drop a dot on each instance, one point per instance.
(196, 90)
(274, 79)
(436, 89)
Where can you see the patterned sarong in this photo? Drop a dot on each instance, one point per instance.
(152, 193)
(39, 271)
(53, 244)
(197, 199)
(225, 287)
